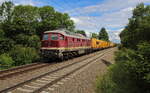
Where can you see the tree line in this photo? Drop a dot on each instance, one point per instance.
(21, 28)
(102, 35)
(131, 73)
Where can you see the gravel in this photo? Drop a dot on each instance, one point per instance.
(8, 82)
(84, 80)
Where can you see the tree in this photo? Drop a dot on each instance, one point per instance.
(51, 19)
(138, 28)
(6, 11)
(94, 35)
(136, 37)
(47, 21)
(64, 21)
(81, 32)
(24, 21)
(103, 35)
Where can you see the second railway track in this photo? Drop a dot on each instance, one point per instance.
(42, 82)
(21, 69)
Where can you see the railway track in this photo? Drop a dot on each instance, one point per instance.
(21, 69)
(42, 82)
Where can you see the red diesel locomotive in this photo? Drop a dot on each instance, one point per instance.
(64, 44)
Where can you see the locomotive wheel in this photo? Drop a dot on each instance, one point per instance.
(60, 59)
(66, 57)
(70, 55)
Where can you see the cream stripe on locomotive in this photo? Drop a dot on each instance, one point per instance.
(64, 48)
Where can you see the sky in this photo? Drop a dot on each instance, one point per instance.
(92, 15)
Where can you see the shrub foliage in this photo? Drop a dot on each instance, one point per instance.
(6, 61)
(131, 73)
(23, 55)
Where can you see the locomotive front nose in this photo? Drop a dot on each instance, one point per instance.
(50, 40)
(53, 45)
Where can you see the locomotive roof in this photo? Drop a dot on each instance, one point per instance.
(68, 33)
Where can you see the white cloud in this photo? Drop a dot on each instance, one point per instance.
(114, 35)
(76, 20)
(115, 14)
(25, 2)
(108, 5)
(127, 9)
(109, 20)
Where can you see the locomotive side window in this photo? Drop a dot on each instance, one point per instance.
(45, 37)
(54, 37)
(61, 37)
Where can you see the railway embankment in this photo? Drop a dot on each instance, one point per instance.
(84, 80)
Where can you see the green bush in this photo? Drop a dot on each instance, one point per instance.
(143, 68)
(105, 84)
(137, 64)
(6, 45)
(5, 61)
(34, 41)
(130, 74)
(117, 80)
(2, 33)
(23, 55)
(28, 41)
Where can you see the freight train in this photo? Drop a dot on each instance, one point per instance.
(62, 44)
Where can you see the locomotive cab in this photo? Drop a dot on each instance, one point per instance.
(52, 44)
(53, 40)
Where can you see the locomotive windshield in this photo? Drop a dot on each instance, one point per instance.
(45, 37)
(54, 37)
